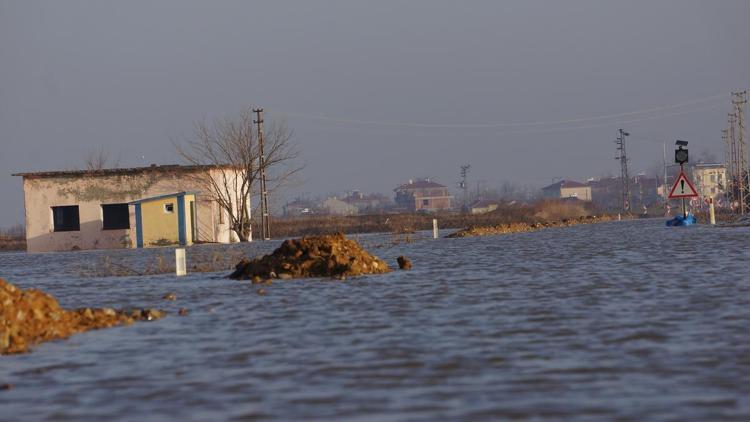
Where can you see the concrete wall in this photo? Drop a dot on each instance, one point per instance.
(582, 193)
(89, 192)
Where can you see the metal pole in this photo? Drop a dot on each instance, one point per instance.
(684, 208)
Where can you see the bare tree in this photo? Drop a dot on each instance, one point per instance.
(97, 159)
(230, 148)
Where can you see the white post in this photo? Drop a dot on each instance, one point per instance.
(179, 257)
(711, 212)
(619, 217)
(434, 228)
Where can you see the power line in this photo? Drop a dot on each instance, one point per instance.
(495, 125)
(615, 123)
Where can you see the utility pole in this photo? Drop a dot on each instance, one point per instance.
(624, 178)
(464, 171)
(727, 166)
(664, 162)
(732, 142)
(739, 100)
(265, 225)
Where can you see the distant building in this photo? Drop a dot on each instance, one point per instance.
(299, 207)
(606, 192)
(122, 208)
(335, 206)
(644, 192)
(423, 195)
(710, 179)
(567, 189)
(484, 206)
(367, 204)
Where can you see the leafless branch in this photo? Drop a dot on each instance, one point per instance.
(230, 146)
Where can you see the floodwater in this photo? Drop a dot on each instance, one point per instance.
(626, 320)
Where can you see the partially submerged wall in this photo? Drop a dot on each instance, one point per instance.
(89, 192)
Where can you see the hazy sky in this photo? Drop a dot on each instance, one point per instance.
(130, 75)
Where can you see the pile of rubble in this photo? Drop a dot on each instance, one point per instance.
(314, 256)
(28, 317)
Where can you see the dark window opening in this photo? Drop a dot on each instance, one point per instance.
(115, 216)
(425, 202)
(169, 208)
(66, 219)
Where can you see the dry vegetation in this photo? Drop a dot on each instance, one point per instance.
(13, 239)
(543, 211)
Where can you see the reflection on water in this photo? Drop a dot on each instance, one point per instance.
(622, 319)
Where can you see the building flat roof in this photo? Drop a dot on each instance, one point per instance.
(565, 184)
(120, 171)
(710, 165)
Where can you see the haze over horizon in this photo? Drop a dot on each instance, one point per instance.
(376, 92)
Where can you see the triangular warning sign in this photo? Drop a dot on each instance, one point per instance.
(682, 188)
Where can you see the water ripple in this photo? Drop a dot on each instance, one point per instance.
(626, 320)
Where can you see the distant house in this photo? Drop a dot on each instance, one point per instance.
(423, 195)
(335, 206)
(122, 208)
(710, 180)
(567, 189)
(299, 207)
(367, 204)
(606, 192)
(645, 191)
(484, 206)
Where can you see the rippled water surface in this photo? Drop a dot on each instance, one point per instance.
(616, 320)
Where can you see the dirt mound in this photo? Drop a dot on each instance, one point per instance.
(28, 317)
(314, 256)
(527, 227)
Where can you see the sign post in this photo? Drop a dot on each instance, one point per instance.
(682, 187)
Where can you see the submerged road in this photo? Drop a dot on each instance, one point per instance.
(625, 319)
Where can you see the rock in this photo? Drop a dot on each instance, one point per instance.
(404, 263)
(314, 256)
(31, 316)
(261, 291)
(170, 296)
(151, 314)
(183, 312)
(256, 279)
(6, 386)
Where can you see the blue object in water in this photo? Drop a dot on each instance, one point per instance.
(682, 221)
